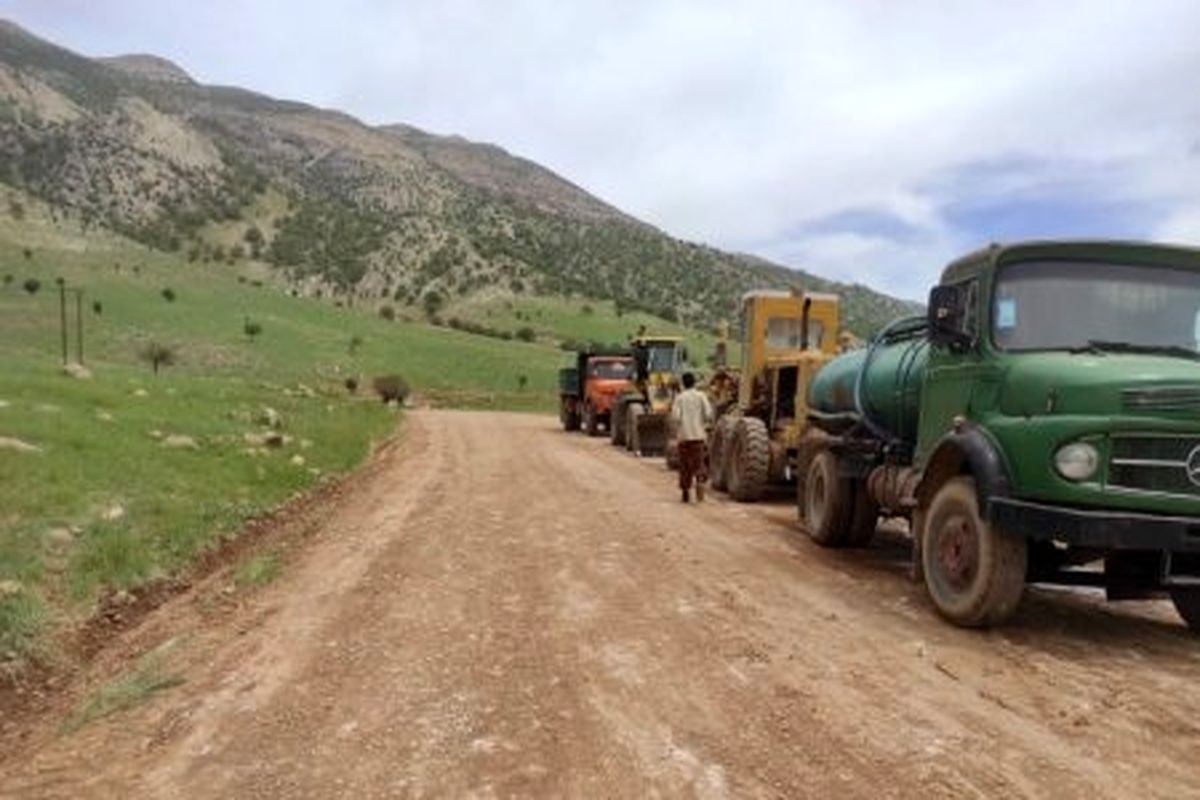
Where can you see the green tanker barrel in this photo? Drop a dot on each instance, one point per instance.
(891, 387)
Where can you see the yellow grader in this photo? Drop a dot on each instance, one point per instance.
(640, 417)
(786, 338)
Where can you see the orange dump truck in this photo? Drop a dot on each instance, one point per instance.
(588, 390)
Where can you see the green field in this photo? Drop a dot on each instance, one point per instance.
(133, 473)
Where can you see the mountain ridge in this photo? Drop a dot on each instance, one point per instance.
(384, 214)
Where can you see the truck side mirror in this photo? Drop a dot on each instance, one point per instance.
(946, 317)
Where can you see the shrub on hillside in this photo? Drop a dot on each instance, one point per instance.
(391, 388)
(351, 384)
(97, 307)
(168, 294)
(8, 279)
(251, 328)
(387, 312)
(31, 285)
(526, 334)
(158, 355)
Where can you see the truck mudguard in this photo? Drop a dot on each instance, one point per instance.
(966, 449)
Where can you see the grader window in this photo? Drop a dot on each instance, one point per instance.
(784, 333)
(785, 394)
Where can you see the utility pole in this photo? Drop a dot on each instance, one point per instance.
(62, 316)
(79, 326)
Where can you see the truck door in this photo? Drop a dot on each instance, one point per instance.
(954, 378)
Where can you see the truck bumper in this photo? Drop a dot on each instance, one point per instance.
(1105, 530)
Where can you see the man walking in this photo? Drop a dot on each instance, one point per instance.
(693, 415)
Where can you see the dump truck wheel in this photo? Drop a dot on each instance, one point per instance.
(591, 420)
(974, 574)
(718, 455)
(616, 424)
(632, 414)
(1187, 603)
(826, 501)
(749, 458)
(864, 517)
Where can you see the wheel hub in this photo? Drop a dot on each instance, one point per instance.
(958, 552)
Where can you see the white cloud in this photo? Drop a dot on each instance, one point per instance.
(744, 125)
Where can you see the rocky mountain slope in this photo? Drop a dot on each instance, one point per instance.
(132, 143)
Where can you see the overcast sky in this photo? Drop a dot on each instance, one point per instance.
(866, 141)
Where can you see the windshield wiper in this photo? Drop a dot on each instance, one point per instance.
(1102, 346)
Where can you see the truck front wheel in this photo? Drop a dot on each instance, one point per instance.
(974, 574)
(749, 458)
(1187, 603)
(591, 420)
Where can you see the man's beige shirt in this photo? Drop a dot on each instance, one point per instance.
(693, 413)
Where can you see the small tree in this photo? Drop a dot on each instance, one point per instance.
(351, 384)
(8, 279)
(168, 294)
(27, 253)
(432, 302)
(158, 355)
(522, 382)
(391, 388)
(526, 334)
(97, 307)
(356, 342)
(387, 312)
(251, 328)
(31, 285)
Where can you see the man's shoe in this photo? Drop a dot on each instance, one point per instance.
(685, 495)
(699, 492)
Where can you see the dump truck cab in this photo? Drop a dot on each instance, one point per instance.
(589, 389)
(1042, 423)
(786, 337)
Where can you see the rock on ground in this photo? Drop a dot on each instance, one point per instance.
(19, 445)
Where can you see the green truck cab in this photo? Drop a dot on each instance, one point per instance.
(1041, 424)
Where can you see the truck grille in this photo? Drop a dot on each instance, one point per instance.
(1162, 398)
(1160, 464)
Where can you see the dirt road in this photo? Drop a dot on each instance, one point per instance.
(499, 609)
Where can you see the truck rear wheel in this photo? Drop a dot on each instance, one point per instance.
(718, 454)
(974, 574)
(864, 518)
(591, 420)
(569, 418)
(749, 459)
(1187, 603)
(826, 501)
(616, 424)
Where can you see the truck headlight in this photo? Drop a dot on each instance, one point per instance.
(1077, 461)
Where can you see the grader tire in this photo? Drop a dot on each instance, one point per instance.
(1187, 603)
(827, 501)
(632, 414)
(749, 460)
(974, 573)
(616, 424)
(718, 455)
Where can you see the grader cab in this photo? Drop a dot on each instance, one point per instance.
(786, 338)
(641, 416)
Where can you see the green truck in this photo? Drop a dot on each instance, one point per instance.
(1040, 424)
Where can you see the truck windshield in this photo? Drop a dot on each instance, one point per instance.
(1040, 305)
(611, 370)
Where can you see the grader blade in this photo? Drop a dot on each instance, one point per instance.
(652, 434)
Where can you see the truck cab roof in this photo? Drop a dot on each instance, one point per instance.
(1084, 250)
